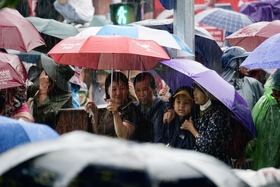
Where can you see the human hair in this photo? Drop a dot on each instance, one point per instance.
(117, 77)
(145, 76)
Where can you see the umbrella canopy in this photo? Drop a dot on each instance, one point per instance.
(205, 44)
(253, 35)
(182, 72)
(220, 18)
(15, 132)
(261, 10)
(83, 159)
(53, 28)
(108, 52)
(265, 56)
(162, 37)
(12, 71)
(16, 32)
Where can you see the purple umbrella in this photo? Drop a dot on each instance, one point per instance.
(262, 11)
(181, 72)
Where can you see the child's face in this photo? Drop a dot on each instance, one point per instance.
(182, 105)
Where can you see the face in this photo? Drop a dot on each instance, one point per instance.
(144, 92)
(182, 105)
(276, 95)
(200, 97)
(119, 92)
(101, 77)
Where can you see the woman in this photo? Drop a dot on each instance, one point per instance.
(13, 104)
(264, 150)
(211, 127)
(120, 117)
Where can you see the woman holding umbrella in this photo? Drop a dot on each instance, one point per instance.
(120, 117)
(211, 127)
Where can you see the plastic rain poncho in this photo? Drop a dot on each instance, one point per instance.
(264, 150)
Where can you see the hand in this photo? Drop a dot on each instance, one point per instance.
(188, 125)
(90, 106)
(112, 106)
(44, 82)
(168, 116)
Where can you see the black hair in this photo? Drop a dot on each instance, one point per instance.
(116, 76)
(187, 88)
(145, 76)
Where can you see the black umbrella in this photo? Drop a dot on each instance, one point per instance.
(82, 159)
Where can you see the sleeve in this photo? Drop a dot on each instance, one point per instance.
(47, 111)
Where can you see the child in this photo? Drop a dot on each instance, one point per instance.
(174, 136)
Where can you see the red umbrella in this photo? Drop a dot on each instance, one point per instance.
(12, 71)
(253, 35)
(108, 52)
(18, 33)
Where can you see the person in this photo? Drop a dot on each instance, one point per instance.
(13, 104)
(264, 149)
(249, 88)
(210, 3)
(75, 85)
(52, 93)
(75, 11)
(23, 8)
(121, 116)
(45, 9)
(164, 92)
(83, 95)
(97, 89)
(152, 107)
(211, 127)
(174, 133)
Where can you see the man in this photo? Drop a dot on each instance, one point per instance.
(152, 107)
(75, 11)
(52, 93)
(249, 88)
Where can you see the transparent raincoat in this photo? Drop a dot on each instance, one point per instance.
(264, 150)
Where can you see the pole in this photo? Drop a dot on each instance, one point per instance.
(183, 24)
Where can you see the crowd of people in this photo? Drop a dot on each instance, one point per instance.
(141, 110)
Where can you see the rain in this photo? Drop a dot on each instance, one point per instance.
(139, 93)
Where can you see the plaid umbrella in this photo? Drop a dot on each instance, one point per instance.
(227, 20)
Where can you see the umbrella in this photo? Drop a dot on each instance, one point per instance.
(16, 132)
(265, 56)
(205, 44)
(220, 18)
(31, 56)
(53, 28)
(108, 52)
(12, 71)
(261, 10)
(83, 159)
(17, 33)
(253, 35)
(162, 37)
(182, 72)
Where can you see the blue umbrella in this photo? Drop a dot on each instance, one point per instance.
(265, 56)
(182, 72)
(162, 37)
(15, 132)
(220, 18)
